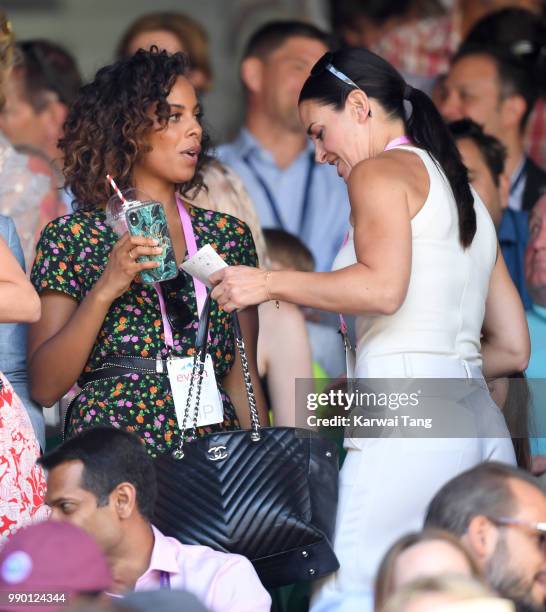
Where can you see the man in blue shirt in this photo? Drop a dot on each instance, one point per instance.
(272, 153)
(13, 344)
(535, 274)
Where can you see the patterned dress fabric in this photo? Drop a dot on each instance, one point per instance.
(71, 256)
(22, 482)
(27, 195)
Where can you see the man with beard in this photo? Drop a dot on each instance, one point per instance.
(272, 153)
(499, 514)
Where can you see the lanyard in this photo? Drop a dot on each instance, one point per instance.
(401, 140)
(200, 289)
(273, 206)
(520, 176)
(164, 580)
(396, 142)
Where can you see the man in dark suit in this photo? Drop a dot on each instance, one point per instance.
(498, 91)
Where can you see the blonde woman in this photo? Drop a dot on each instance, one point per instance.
(22, 482)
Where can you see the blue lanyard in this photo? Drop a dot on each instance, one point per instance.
(164, 580)
(271, 199)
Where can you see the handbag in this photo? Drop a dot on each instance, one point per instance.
(268, 493)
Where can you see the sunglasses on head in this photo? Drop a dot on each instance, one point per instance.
(179, 314)
(325, 65)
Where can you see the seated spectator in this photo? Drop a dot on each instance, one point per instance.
(53, 558)
(43, 85)
(424, 554)
(104, 481)
(498, 92)
(535, 276)
(173, 32)
(445, 594)
(499, 514)
(484, 157)
(523, 32)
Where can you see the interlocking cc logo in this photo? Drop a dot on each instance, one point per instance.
(217, 453)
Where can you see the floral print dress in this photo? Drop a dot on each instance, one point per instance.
(22, 482)
(71, 256)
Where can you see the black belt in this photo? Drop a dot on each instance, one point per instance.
(117, 365)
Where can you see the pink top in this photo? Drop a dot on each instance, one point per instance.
(222, 582)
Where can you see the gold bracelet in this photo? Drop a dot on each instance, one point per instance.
(267, 290)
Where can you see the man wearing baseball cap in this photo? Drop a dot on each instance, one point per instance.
(51, 564)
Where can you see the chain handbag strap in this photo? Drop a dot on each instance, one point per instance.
(196, 379)
(254, 420)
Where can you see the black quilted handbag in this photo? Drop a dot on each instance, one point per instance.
(268, 493)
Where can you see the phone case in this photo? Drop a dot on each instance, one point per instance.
(148, 219)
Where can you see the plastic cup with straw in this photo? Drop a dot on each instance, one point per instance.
(116, 208)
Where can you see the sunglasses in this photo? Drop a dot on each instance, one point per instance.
(325, 65)
(179, 314)
(538, 529)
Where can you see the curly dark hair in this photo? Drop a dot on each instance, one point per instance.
(105, 131)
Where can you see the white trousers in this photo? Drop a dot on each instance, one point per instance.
(387, 483)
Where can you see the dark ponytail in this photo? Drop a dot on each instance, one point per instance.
(424, 126)
(426, 129)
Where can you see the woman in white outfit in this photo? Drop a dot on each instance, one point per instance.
(423, 273)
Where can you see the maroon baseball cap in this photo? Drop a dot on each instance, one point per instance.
(51, 557)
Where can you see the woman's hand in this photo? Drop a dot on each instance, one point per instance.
(123, 266)
(239, 286)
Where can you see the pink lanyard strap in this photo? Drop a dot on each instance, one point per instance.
(397, 141)
(200, 289)
(401, 140)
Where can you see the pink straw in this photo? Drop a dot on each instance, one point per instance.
(116, 189)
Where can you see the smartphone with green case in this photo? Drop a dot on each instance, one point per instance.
(148, 219)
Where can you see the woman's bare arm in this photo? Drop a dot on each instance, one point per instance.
(19, 302)
(505, 343)
(376, 284)
(60, 343)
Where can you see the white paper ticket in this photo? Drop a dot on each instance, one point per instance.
(204, 263)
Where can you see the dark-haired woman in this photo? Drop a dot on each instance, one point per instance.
(140, 121)
(422, 272)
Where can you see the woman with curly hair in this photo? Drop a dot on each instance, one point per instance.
(140, 121)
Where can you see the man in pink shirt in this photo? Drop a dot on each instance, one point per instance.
(103, 481)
